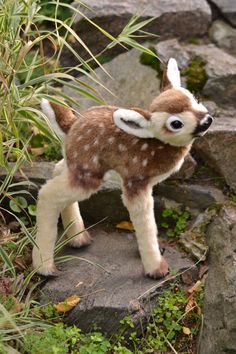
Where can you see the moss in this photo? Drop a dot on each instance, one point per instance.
(194, 40)
(153, 62)
(196, 75)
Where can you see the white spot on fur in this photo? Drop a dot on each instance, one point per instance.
(122, 147)
(75, 155)
(79, 138)
(117, 130)
(145, 162)
(95, 159)
(85, 166)
(135, 141)
(88, 131)
(144, 147)
(153, 152)
(101, 125)
(111, 140)
(86, 147)
(130, 184)
(96, 141)
(160, 147)
(141, 178)
(135, 159)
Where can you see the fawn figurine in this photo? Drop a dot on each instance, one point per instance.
(142, 147)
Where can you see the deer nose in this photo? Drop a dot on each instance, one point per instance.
(203, 125)
(206, 122)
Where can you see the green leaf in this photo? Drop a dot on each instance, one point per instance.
(32, 209)
(17, 204)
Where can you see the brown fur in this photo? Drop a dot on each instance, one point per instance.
(102, 148)
(64, 116)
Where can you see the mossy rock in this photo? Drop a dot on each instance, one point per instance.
(195, 74)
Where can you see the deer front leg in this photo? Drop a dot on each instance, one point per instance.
(140, 206)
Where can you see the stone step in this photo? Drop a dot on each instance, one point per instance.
(118, 289)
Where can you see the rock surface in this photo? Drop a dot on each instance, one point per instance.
(131, 83)
(221, 72)
(224, 36)
(171, 18)
(218, 149)
(227, 8)
(109, 294)
(193, 196)
(219, 328)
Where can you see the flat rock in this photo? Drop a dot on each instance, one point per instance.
(227, 8)
(110, 293)
(193, 196)
(172, 18)
(224, 36)
(131, 83)
(218, 149)
(219, 326)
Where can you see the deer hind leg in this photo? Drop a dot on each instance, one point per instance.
(54, 196)
(140, 206)
(72, 219)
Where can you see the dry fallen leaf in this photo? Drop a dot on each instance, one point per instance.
(125, 225)
(195, 288)
(186, 330)
(68, 304)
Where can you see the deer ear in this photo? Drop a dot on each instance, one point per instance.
(132, 122)
(171, 75)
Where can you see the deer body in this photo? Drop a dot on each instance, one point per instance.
(143, 147)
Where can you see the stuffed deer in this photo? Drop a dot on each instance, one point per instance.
(142, 147)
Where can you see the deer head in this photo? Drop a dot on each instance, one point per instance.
(175, 115)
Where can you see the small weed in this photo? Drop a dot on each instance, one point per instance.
(174, 221)
(26, 211)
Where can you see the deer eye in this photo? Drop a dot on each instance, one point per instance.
(174, 123)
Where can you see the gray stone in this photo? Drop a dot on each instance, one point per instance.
(227, 8)
(131, 83)
(224, 36)
(187, 169)
(171, 48)
(221, 72)
(193, 240)
(172, 18)
(219, 327)
(114, 291)
(218, 149)
(37, 172)
(193, 196)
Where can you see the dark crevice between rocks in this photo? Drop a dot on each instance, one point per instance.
(217, 14)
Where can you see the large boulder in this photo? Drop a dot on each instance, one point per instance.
(227, 8)
(131, 83)
(171, 18)
(219, 327)
(218, 149)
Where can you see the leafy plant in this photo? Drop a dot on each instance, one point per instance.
(175, 221)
